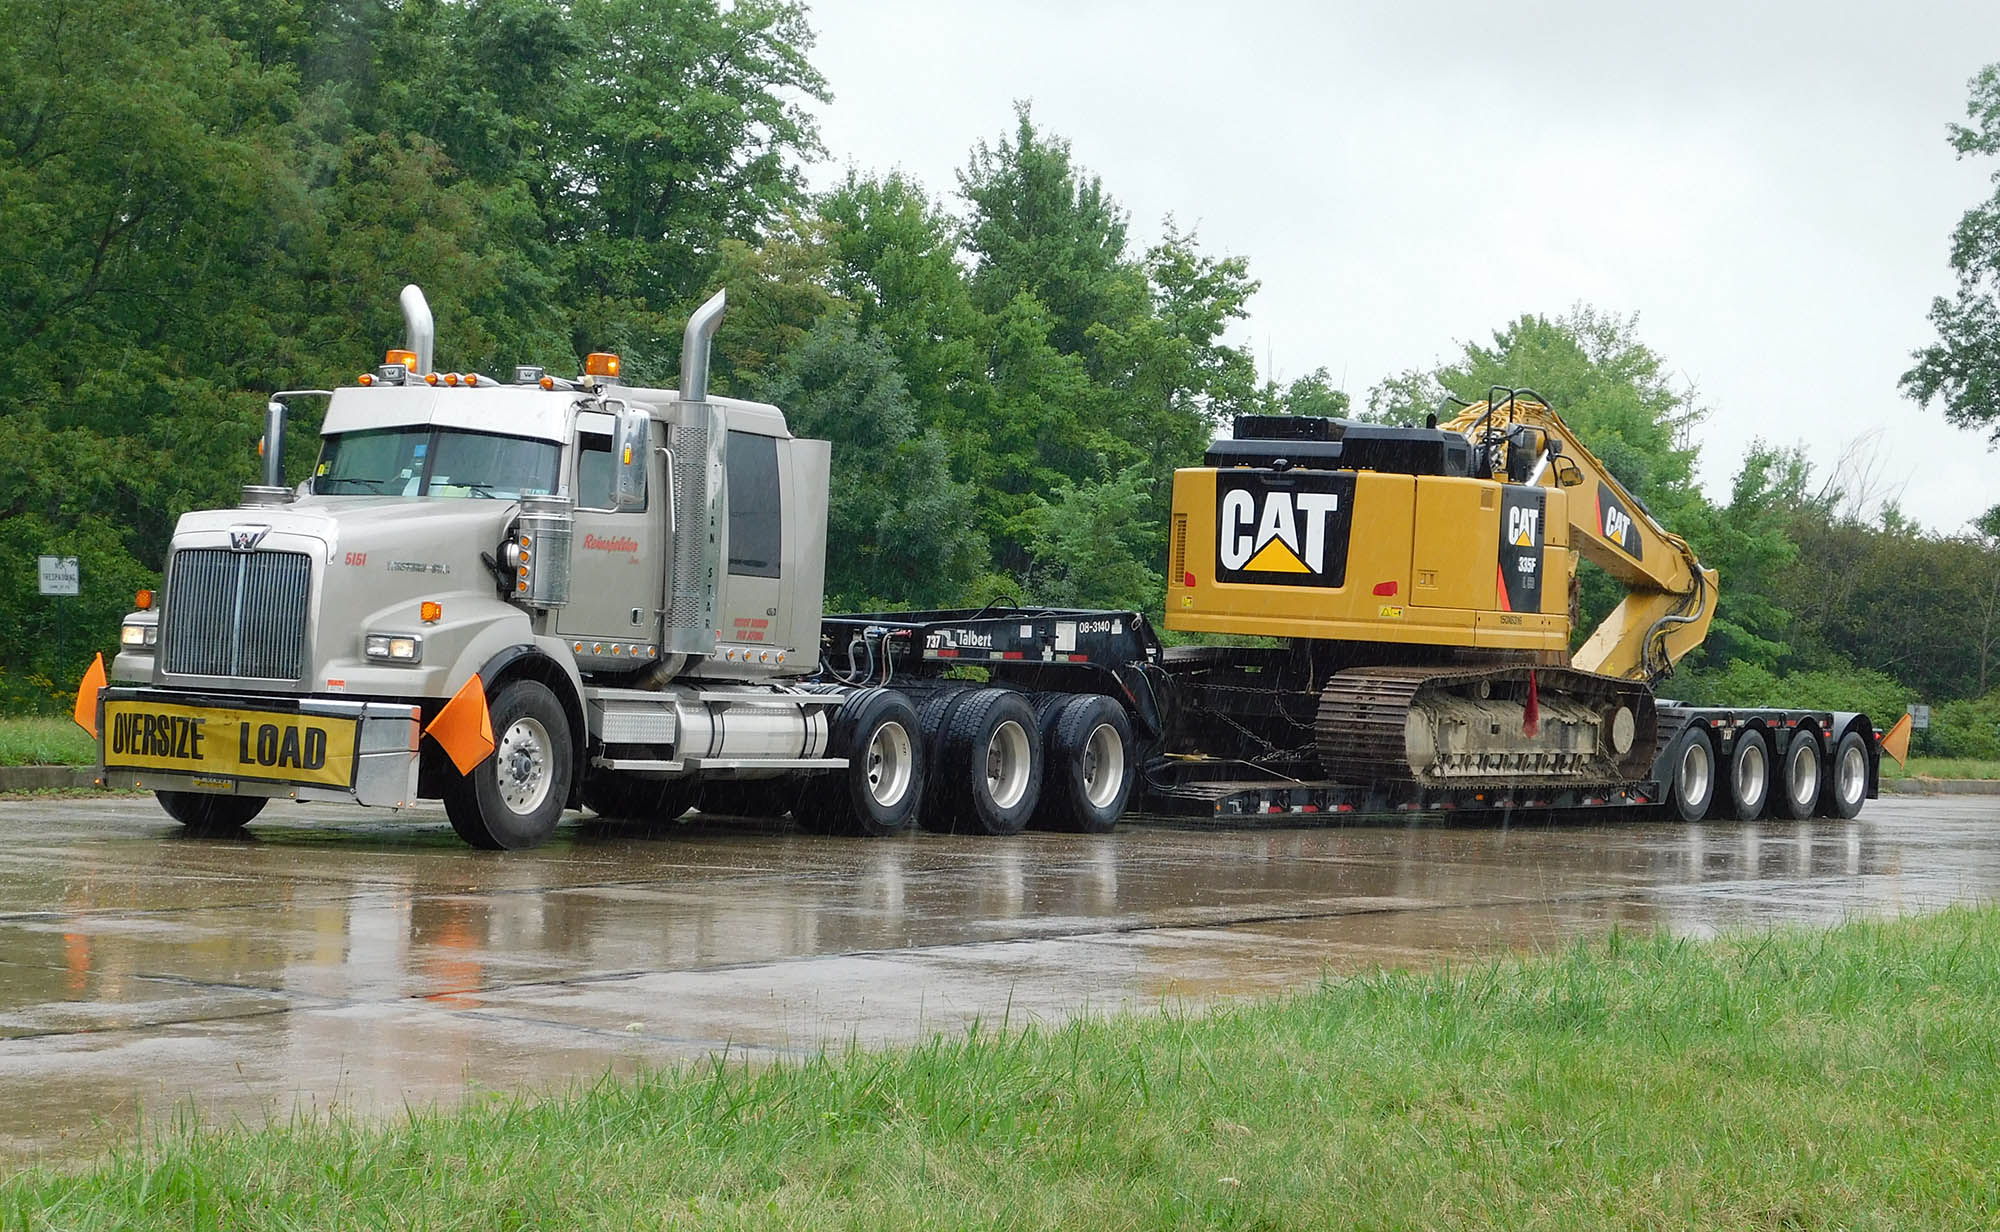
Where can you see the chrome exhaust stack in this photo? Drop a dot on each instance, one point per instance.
(701, 329)
(419, 331)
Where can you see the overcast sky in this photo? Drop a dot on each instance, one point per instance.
(1767, 185)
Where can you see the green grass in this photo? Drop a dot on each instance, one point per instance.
(44, 741)
(1796, 1080)
(1943, 768)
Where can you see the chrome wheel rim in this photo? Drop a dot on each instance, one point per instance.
(1852, 781)
(1695, 771)
(1007, 762)
(1751, 772)
(1103, 766)
(889, 764)
(522, 765)
(1802, 772)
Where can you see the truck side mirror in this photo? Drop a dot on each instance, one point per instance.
(628, 461)
(1568, 473)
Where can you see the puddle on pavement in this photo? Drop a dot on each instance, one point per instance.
(335, 960)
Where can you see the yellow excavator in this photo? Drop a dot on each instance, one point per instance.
(1423, 584)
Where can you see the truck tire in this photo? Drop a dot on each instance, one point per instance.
(878, 794)
(513, 799)
(628, 797)
(1748, 786)
(1795, 785)
(991, 767)
(934, 813)
(1087, 771)
(749, 797)
(1846, 787)
(210, 815)
(1691, 762)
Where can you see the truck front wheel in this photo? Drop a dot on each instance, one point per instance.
(513, 799)
(210, 815)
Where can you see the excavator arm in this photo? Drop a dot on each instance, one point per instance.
(1670, 596)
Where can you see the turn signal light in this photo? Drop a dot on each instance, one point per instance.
(430, 611)
(451, 379)
(430, 378)
(366, 378)
(547, 382)
(143, 600)
(601, 363)
(407, 359)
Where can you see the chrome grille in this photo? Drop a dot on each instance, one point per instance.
(236, 614)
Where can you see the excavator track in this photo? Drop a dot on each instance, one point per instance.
(1460, 727)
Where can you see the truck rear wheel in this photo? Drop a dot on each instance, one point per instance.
(627, 797)
(1749, 785)
(877, 795)
(514, 799)
(1692, 763)
(992, 764)
(210, 815)
(1796, 792)
(1846, 787)
(1087, 777)
(935, 813)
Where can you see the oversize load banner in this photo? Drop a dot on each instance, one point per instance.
(236, 744)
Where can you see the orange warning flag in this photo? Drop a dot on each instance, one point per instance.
(1897, 742)
(464, 728)
(85, 712)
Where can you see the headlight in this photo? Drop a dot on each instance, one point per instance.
(138, 635)
(394, 647)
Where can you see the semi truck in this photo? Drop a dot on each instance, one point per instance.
(542, 593)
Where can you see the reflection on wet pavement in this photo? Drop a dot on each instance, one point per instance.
(338, 959)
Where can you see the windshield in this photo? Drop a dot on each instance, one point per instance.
(427, 461)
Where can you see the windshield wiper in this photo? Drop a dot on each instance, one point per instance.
(375, 485)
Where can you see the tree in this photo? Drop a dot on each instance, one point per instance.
(1961, 370)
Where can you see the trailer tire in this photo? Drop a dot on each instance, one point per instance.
(1088, 771)
(878, 794)
(991, 770)
(1846, 787)
(210, 816)
(1796, 782)
(773, 797)
(627, 797)
(935, 813)
(513, 800)
(1692, 759)
(1748, 787)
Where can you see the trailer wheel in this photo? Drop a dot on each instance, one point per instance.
(627, 797)
(877, 795)
(210, 816)
(514, 799)
(992, 764)
(1087, 776)
(1749, 786)
(772, 797)
(1693, 760)
(935, 813)
(1798, 777)
(1846, 786)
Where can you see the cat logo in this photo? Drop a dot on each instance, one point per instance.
(1523, 526)
(1616, 522)
(1290, 531)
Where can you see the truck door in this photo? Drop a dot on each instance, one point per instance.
(753, 597)
(617, 560)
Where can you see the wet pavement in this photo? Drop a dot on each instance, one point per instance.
(367, 962)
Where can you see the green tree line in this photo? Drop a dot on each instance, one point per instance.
(204, 201)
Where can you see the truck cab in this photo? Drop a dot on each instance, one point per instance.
(514, 596)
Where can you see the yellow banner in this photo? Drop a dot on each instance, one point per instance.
(238, 744)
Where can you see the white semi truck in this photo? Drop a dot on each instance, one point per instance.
(514, 596)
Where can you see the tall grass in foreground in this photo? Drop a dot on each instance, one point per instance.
(43, 740)
(1800, 1080)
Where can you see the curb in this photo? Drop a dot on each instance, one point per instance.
(1941, 787)
(42, 778)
